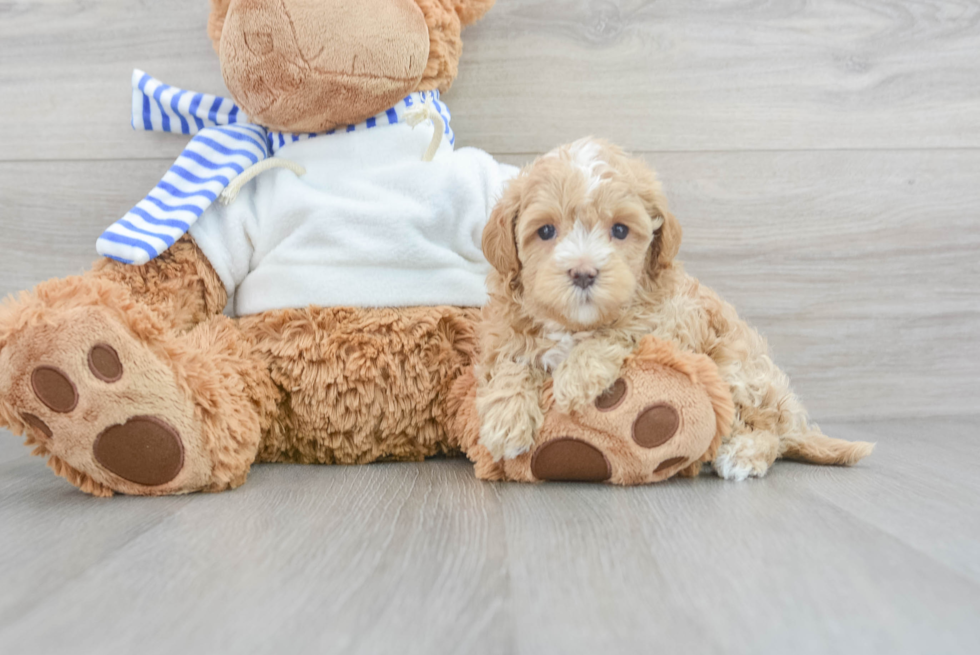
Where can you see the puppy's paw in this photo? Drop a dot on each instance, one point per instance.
(509, 423)
(745, 457)
(507, 438)
(577, 388)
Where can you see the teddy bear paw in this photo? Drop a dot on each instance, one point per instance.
(627, 441)
(663, 416)
(105, 407)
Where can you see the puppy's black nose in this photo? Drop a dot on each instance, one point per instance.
(583, 279)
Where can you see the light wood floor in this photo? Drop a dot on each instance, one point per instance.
(423, 558)
(824, 159)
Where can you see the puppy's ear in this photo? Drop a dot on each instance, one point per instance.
(499, 235)
(216, 21)
(470, 11)
(666, 242)
(667, 237)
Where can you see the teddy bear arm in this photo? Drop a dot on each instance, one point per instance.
(180, 285)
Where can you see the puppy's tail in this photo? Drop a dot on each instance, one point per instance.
(819, 449)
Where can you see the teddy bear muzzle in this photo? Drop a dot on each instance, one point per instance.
(314, 65)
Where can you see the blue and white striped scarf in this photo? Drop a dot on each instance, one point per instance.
(225, 144)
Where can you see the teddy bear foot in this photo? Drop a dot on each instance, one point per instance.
(567, 459)
(664, 416)
(653, 423)
(102, 405)
(117, 413)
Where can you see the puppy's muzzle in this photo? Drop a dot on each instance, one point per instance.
(583, 278)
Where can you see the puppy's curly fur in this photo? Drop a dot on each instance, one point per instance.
(583, 246)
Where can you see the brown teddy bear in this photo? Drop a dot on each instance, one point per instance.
(351, 259)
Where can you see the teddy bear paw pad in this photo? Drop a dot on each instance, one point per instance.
(656, 425)
(103, 361)
(55, 389)
(570, 460)
(669, 463)
(35, 422)
(613, 397)
(144, 450)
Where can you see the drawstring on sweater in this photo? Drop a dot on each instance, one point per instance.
(425, 112)
(231, 191)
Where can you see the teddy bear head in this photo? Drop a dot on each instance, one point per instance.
(314, 65)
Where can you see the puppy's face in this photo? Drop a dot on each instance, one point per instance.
(584, 223)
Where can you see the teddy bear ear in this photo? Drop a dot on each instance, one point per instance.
(216, 21)
(470, 11)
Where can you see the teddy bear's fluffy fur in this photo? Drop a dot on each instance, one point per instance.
(316, 385)
(538, 323)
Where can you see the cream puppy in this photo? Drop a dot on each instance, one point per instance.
(583, 248)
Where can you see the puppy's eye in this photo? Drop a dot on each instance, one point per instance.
(546, 232)
(620, 231)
